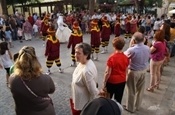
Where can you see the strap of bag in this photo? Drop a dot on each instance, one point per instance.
(28, 88)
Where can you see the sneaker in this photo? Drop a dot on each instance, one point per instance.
(60, 70)
(73, 64)
(106, 51)
(48, 73)
(103, 52)
(95, 59)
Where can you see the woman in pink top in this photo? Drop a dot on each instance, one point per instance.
(27, 30)
(158, 51)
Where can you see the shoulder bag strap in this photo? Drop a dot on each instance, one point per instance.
(28, 88)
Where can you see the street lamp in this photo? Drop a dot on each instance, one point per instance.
(115, 5)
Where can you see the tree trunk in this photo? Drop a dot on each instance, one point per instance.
(136, 5)
(91, 6)
(4, 7)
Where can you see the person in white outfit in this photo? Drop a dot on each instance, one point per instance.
(63, 32)
(35, 30)
(157, 25)
(84, 80)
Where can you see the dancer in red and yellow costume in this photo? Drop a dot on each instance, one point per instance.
(105, 34)
(127, 28)
(117, 28)
(95, 38)
(44, 27)
(75, 38)
(52, 51)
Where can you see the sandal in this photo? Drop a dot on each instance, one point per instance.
(157, 86)
(151, 89)
(125, 108)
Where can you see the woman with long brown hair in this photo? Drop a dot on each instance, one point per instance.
(29, 87)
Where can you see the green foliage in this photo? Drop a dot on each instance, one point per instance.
(152, 3)
(10, 2)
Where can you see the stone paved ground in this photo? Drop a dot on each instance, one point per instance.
(161, 102)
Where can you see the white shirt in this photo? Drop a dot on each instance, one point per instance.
(84, 84)
(6, 61)
(157, 25)
(35, 28)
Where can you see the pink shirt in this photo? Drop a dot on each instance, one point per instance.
(159, 53)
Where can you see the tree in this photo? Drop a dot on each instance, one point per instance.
(139, 4)
(91, 6)
(4, 7)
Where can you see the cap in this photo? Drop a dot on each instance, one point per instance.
(51, 31)
(104, 19)
(75, 25)
(94, 22)
(47, 17)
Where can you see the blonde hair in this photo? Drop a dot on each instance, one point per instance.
(27, 65)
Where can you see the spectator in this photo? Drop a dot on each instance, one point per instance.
(115, 73)
(139, 56)
(8, 33)
(2, 34)
(84, 81)
(35, 31)
(20, 34)
(13, 27)
(29, 98)
(158, 51)
(15, 56)
(27, 30)
(6, 59)
(102, 106)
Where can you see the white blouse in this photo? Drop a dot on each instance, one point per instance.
(84, 83)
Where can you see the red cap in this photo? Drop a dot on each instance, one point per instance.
(94, 22)
(104, 19)
(51, 32)
(75, 25)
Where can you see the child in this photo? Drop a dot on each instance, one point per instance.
(6, 58)
(20, 33)
(105, 34)
(52, 51)
(95, 38)
(75, 38)
(15, 56)
(35, 30)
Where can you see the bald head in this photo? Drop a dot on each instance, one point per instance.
(138, 37)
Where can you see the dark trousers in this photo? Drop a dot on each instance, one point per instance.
(116, 90)
(14, 34)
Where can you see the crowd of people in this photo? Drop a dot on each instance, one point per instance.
(149, 43)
